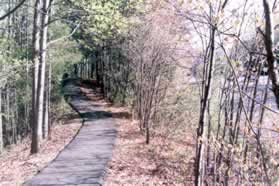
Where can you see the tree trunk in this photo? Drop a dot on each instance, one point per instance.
(1, 124)
(42, 70)
(75, 70)
(92, 70)
(98, 76)
(14, 117)
(46, 108)
(48, 100)
(268, 39)
(10, 141)
(199, 169)
(36, 128)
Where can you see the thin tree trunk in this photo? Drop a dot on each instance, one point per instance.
(92, 70)
(8, 113)
(14, 118)
(48, 100)
(268, 39)
(199, 169)
(46, 108)
(1, 124)
(42, 69)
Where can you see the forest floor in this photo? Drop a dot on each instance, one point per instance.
(168, 160)
(16, 163)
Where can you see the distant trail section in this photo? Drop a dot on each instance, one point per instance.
(84, 161)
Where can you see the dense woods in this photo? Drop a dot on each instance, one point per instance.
(206, 67)
(27, 82)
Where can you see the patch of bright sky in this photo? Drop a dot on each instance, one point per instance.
(231, 19)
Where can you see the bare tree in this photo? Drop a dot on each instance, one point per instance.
(268, 39)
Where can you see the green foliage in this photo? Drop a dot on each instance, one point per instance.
(12, 63)
(103, 20)
(61, 55)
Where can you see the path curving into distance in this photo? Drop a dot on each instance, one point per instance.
(84, 160)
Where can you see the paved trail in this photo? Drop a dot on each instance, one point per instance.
(83, 162)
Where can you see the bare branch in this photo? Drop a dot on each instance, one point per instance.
(65, 37)
(13, 10)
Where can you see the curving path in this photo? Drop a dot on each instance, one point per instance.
(82, 162)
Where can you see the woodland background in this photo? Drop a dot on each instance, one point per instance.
(205, 69)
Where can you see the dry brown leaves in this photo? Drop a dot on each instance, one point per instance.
(16, 163)
(166, 161)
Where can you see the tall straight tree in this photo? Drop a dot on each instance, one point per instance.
(36, 128)
(46, 124)
(40, 38)
(207, 81)
(268, 40)
(42, 66)
(1, 124)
